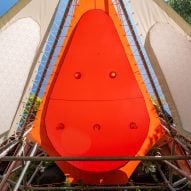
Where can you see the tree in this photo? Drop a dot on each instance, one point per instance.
(182, 7)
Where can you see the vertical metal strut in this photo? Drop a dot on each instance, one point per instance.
(6, 176)
(34, 149)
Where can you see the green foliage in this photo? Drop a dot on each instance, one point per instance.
(149, 167)
(182, 7)
(27, 109)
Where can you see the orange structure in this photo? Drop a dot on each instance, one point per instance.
(96, 103)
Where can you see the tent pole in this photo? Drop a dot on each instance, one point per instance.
(13, 144)
(109, 158)
(34, 149)
(183, 173)
(6, 176)
(19, 150)
(34, 173)
(165, 179)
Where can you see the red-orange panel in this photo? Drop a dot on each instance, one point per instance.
(97, 128)
(95, 66)
(95, 107)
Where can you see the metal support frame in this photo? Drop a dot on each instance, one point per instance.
(161, 187)
(162, 159)
(165, 179)
(9, 170)
(73, 158)
(179, 182)
(19, 139)
(4, 150)
(186, 175)
(25, 168)
(34, 173)
(170, 169)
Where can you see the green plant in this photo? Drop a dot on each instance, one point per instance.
(27, 109)
(182, 7)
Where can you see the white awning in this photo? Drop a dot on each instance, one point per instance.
(23, 31)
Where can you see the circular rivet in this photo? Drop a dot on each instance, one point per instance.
(77, 75)
(60, 126)
(133, 125)
(96, 127)
(112, 74)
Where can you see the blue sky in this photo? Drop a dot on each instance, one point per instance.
(5, 5)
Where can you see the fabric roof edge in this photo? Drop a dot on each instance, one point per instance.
(31, 77)
(12, 12)
(163, 81)
(174, 16)
(186, 27)
(8, 17)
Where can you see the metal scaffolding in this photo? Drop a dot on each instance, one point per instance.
(18, 152)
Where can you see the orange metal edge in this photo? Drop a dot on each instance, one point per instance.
(155, 130)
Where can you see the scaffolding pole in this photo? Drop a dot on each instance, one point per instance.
(161, 186)
(183, 173)
(165, 179)
(34, 149)
(164, 159)
(8, 147)
(6, 176)
(117, 158)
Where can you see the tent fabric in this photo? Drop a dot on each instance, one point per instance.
(39, 11)
(16, 56)
(148, 12)
(171, 58)
(27, 11)
(175, 17)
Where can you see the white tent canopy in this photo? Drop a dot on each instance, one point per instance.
(170, 54)
(166, 37)
(23, 31)
(149, 12)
